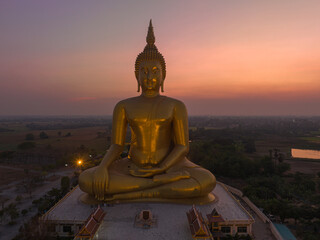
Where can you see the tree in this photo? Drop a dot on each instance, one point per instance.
(43, 135)
(249, 146)
(29, 183)
(283, 209)
(295, 213)
(2, 212)
(19, 198)
(29, 137)
(267, 165)
(13, 212)
(65, 184)
(283, 167)
(36, 228)
(3, 200)
(26, 145)
(24, 212)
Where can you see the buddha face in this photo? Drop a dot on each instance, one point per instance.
(150, 77)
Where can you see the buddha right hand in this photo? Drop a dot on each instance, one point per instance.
(100, 182)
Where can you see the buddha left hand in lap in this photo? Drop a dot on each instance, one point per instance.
(156, 166)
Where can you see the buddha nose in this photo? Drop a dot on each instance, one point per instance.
(149, 76)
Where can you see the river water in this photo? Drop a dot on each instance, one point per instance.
(304, 153)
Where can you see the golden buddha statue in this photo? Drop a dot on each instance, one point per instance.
(156, 167)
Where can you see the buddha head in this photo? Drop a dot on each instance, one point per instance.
(150, 67)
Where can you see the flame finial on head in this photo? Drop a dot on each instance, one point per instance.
(150, 52)
(150, 37)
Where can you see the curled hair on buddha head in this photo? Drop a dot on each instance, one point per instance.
(150, 52)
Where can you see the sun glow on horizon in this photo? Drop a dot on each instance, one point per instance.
(252, 50)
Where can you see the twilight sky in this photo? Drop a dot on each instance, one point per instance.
(241, 57)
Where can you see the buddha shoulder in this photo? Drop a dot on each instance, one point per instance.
(160, 100)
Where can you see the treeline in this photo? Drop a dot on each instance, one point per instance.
(284, 126)
(227, 158)
(57, 126)
(264, 180)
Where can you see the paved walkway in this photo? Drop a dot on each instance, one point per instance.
(261, 230)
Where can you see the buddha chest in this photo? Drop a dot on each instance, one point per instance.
(154, 114)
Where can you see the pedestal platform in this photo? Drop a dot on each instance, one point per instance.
(171, 219)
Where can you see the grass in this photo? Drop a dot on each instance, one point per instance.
(80, 136)
(8, 147)
(312, 139)
(316, 132)
(306, 160)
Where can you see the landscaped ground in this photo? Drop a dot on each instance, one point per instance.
(80, 136)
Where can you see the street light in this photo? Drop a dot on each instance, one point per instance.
(79, 162)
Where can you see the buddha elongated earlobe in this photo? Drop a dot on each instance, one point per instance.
(138, 87)
(162, 86)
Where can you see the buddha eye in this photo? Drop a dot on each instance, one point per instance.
(155, 69)
(143, 70)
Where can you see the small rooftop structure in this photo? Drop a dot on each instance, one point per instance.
(92, 224)
(197, 225)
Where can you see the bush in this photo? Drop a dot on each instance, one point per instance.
(24, 212)
(26, 145)
(18, 198)
(43, 135)
(29, 137)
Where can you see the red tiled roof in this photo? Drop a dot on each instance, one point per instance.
(92, 224)
(212, 219)
(214, 212)
(99, 214)
(197, 226)
(215, 216)
(193, 232)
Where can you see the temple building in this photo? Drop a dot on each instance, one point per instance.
(64, 222)
(216, 227)
(221, 228)
(148, 220)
